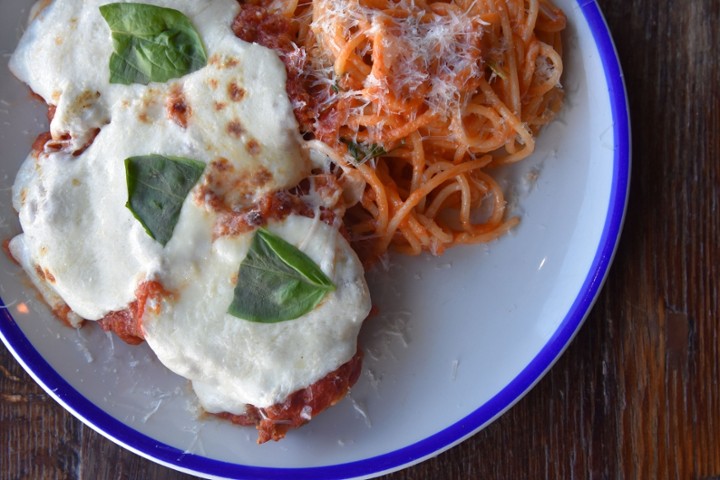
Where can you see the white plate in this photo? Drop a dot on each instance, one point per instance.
(459, 338)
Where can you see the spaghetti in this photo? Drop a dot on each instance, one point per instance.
(422, 99)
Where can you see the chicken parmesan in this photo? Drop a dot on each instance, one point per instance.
(217, 173)
(145, 205)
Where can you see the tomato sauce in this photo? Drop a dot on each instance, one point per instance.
(127, 323)
(275, 421)
(256, 24)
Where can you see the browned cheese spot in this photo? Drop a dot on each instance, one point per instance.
(39, 271)
(235, 92)
(253, 147)
(220, 62)
(221, 165)
(219, 106)
(151, 94)
(178, 110)
(225, 188)
(49, 276)
(87, 99)
(44, 274)
(209, 192)
(261, 177)
(235, 128)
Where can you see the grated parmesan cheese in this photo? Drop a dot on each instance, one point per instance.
(424, 52)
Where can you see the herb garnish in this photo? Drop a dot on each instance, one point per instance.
(152, 44)
(277, 282)
(361, 152)
(157, 186)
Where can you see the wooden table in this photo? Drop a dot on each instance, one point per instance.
(637, 394)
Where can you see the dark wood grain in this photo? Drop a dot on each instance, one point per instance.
(637, 394)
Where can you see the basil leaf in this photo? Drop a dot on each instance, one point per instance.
(277, 282)
(152, 44)
(361, 152)
(157, 186)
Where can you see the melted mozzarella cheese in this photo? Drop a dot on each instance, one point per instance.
(233, 362)
(94, 254)
(63, 56)
(61, 197)
(77, 229)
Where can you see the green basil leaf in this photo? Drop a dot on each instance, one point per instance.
(277, 282)
(152, 44)
(157, 186)
(361, 152)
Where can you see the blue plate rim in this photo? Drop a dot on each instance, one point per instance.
(15, 340)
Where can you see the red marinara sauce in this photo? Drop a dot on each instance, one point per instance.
(300, 407)
(127, 323)
(255, 24)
